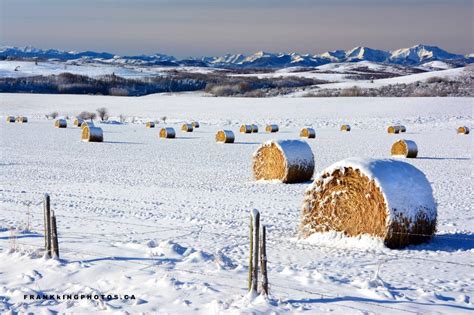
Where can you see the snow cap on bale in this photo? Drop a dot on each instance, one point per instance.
(289, 161)
(387, 199)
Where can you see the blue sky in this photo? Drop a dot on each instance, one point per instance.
(210, 27)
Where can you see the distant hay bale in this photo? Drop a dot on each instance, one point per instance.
(254, 128)
(405, 148)
(150, 124)
(225, 136)
(246, 129)
(272, 128)
(60, 123)
(402, 128)
(345, 127)
(290, 161)
(371, 197)
(463, 130)
(187, 128)
(195, 124)
(77, 122)
(92, 134)
(10, 119)
(87, 124)
(22, 119)
(308, 132)
(393, 129)
(167, 133)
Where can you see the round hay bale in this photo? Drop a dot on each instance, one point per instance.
(345, 127)
(225, 136)
(463, 130)
(402, 128)
(92, 134)
(393, 129)
(254, 128)
(272, 128)
(367, 196)
(10, 119)
(77, 122)
(246, 129)
(308, 132)
(60, 123)
(22, 119)
(167, 133)
(195, 124)
(405, 148)
(289, 161)
(150, 124)
(87, 124)
(187, 128)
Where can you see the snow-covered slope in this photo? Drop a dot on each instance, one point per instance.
(167, 221)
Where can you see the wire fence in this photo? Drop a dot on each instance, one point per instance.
(176, 232)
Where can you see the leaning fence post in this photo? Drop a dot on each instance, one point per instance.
(54, 237)
(250, 254)
(256, 235)
(263, 260)
(47, 225)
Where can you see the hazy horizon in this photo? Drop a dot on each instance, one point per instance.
(184, 28)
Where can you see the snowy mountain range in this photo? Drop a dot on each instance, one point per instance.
(412, 56)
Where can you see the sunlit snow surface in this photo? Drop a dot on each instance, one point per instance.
(167, 220)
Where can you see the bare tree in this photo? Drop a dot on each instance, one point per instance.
(52, 115)
(85, 115)
(103, 113)
(164, 119)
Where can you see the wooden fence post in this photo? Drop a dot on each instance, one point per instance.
(54, 237)
(263, 260)
(47, 225)
(255, 247)
(250, 254)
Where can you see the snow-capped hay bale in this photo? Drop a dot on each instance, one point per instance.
(402, 128)
(150, 124)
(77, 122)
(195, 124)
(272, 128)
(254, 128)
(308, 132)
(463, 130)
(345, 127)
(92, 134)
(388, 199)
(87, 124)
(187, 128)
(10, 119)
(167, 133)
(22, 119)
(290, 161)
(393, 129)
(246, 129)
(405, 148)
(60, 123)
(225, 136)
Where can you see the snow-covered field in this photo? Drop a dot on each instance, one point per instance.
(167, 220)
